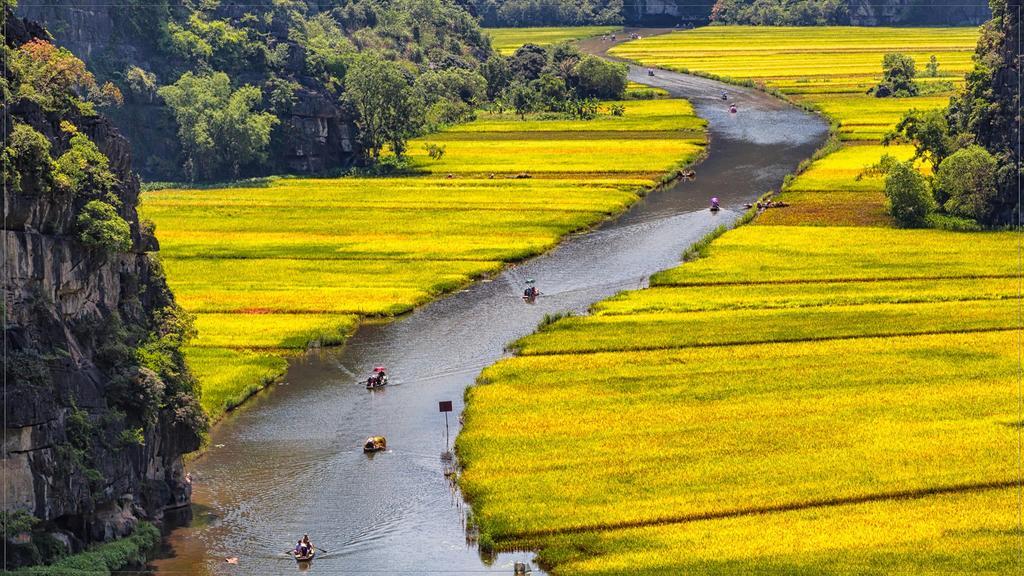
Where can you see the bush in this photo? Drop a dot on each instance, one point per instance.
(104, 559)
(910, 201)
(898, 71)
(101, 227)
(965, 183)
(600, 79)
(83, 170)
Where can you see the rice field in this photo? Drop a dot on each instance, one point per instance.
(824, 394)
(828, 69)
(268, 270)
(507, 40)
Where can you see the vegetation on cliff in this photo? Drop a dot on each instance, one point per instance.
(99, 404)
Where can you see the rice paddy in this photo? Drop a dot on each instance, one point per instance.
(506, 40)
(827, 69)
(269, 270)
(825, 394)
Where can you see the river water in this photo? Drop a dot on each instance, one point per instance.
(290, 461)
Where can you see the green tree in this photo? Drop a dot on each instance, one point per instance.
(498, 74)
(219, 128)
(965, 183)
(101, 227)
(521, 98)
(898, 72)
(598, 78)
(83, 169)
(929, 131)
(908, 196)
(389, 111)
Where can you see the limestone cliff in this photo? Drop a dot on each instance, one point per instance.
(99, 407)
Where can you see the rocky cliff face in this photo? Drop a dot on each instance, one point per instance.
(314, 135)
(928, 13)
(98, 404)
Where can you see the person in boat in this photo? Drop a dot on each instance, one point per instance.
(530, 292)
(725, 95)
(381, 377)
(714, 203)
(732, 108)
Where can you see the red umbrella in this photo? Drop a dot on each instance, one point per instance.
(379, 369)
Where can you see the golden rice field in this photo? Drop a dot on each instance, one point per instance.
(824, 395)
(827, 69)
(507, 40)
(271, 269)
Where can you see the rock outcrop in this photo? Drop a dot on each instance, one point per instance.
(98, 405)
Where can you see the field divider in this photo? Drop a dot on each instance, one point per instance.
(886, 335)
(521, 539)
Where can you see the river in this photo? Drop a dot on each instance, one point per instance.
(290, 461)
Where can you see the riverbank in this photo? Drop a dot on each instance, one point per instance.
(268, 270)
(799, 380)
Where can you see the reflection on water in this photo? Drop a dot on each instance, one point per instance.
(291, 462)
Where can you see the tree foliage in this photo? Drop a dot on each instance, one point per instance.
(220, 127)
(928, 131)
(898, 72)
(100, 227)
(388, 109)
(965, 183)
(909, 199)
(781, 12)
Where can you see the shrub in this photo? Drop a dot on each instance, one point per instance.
(965, 183)
(101, 227)
(27, 153)
(898, 71)
(910, 201)
(83, 169)
(600, 79)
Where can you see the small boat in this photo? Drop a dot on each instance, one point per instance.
(375, 444)
(379, 379)
(732, 109)
(307, 558)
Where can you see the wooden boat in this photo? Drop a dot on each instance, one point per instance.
(375, 444)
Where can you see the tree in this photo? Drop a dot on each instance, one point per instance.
(83, 169)
(910, 201)
(521, 97)
(388, 109)
(498, 74)
(898, 71)
(57, 80)
(528, 62)
(598, 78)
(219, 127)
(929, 132)
(965, 183)
(101, 227)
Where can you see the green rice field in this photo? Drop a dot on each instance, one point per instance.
(269, 270)
(822, 395)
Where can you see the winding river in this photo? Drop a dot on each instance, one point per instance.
(290, 461)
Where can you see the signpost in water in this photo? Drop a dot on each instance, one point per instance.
(446, 407)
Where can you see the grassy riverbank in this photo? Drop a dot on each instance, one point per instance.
(266, 270)
(819, 393)
(506, 41)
